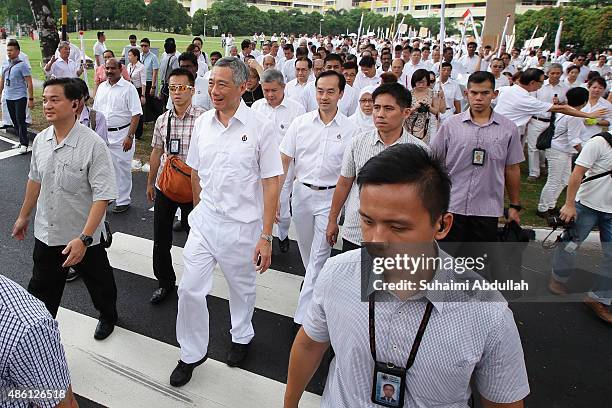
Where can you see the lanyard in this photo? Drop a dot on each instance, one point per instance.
(7, 73)
(417, 340)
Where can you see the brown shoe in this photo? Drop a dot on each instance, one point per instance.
(599, 309)
(557, 288)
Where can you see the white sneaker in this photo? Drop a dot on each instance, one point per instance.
(23, 149)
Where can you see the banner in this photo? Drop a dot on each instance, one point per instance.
(558, 38)
(536, 42)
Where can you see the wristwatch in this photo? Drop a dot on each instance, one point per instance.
(516, 207)
(266, 237)
(87, 240)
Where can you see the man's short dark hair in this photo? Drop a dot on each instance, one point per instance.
(82, 87)
(183, 72)
(367, 61)
(170, 47)
(398, 47)
(389, 385)
(531, 74)
(446, 65)
(72, 90)
(419, 75)
(198, 39)
(146, 41)
(304, 59)
(397, 91)
(577, 96)
(350, 65)
(288, 47)
(480, 77)
(341, 79)
(216, 54)
(99, 34)
(111, 52)
(333, 57)
(169, 40)
(188, 56)
(13, 43)
(472, 43)
(301, 52)
(245, 44)
(408, 163)
(132, 37)
(447, 49)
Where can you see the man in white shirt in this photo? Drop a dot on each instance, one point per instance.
(235, 168)
(469, 60)
(119, 102)
(268, 62)
(288, 68)
(280, 110)
(397, 68)
(63, 67)
(600, 66)
(367, 75)
(316, 142)
(412, 65)
(295, 88)
(578, 60)
(552, 91)
(447, 56)
(452, 92)
(200, 98)
(75, 52)
(98, 49)
(519, 106)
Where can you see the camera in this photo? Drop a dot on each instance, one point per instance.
(555, 222)
(423, 108)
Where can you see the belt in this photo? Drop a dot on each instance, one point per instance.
(115, 129)
(317, 187)
(542, 119)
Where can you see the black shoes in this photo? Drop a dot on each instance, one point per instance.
(121, 208)
(183, 371)
(160, 294)
(103, 330)
(284, 245)
(72, 275)
(237, 354)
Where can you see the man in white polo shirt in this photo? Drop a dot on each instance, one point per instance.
(235, 167)
(119, 102)
(63, 67)
(296, 87)
(281, 111)
(316, 143)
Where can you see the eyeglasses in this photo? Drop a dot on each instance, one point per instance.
(366, 101)
(180, 88)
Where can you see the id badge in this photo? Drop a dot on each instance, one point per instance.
(388, 385)
(175, 146)
(8, 82)
(478, 157)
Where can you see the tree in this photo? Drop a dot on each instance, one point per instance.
(197, 22)
(130, 12)
(43, 16)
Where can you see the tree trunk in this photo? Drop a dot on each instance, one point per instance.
(45, 23)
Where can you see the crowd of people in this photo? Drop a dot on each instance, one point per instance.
(407, 142)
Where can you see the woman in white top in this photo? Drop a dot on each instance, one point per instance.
(363, 116)
(597, 88)
(138, 77)
(571, 76)
(565, 142)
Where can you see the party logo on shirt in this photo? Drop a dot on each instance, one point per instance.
(338, 137)
(244, 138)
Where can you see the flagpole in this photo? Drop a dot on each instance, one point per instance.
(532, 37)
(558, 38)
(442, 25)
(503, 36)
(83, 57)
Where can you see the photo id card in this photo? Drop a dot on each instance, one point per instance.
(478, 157)
(175, 146)
(388, 385)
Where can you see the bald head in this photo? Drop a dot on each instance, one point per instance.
(269, 62)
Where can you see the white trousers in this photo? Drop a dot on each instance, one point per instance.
(535, 156)
(310, 214)
(6, 117)
(213, 240)
(559, 170)
(122, 162)
(285, 204)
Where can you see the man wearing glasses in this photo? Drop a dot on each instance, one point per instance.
(180, 119)
(151, 63)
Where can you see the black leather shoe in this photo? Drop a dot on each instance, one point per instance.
(103, 330)
(237, 354)
(284, 245)
(121, 208)
(72, 275)
(160, 294)
(183, 371)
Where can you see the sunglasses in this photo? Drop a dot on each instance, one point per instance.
(180, 88)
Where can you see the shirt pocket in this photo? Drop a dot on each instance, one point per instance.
(241, 163)
(71, 179)
(336, 147)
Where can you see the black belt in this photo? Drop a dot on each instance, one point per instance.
(317, 187)
(542, 119)
(115, 129)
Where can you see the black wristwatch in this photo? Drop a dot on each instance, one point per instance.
(86, 240)
(517, 207)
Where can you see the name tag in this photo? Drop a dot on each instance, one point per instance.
(478, 157)
(175, 146)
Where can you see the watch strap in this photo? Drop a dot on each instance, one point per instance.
(267, 237)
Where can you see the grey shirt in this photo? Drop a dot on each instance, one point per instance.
(465, 338)
(363, 147)
(72, 175)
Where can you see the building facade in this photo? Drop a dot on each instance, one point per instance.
(305, 5)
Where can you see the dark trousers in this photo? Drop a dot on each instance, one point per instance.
(49, 278)
(151, 110)
(163, 218)
(348, 246)
(17, 111)
(140, 127)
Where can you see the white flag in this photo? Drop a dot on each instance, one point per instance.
(558, 39)
(442, 27)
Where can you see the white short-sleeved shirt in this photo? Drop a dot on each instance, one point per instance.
(501, 82)
(362, 81)
(231, 162)
(294, 90)
(64, 69)
(98, 49)
(288, 69)
(118, 103)
(596, 155)
(568, 132)
(75, 54)
(452, 93)
(137, 75)
(519, 106)
(318, 148)
(465, 339)
(347, 104)
(547, 93)
(281, 116)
